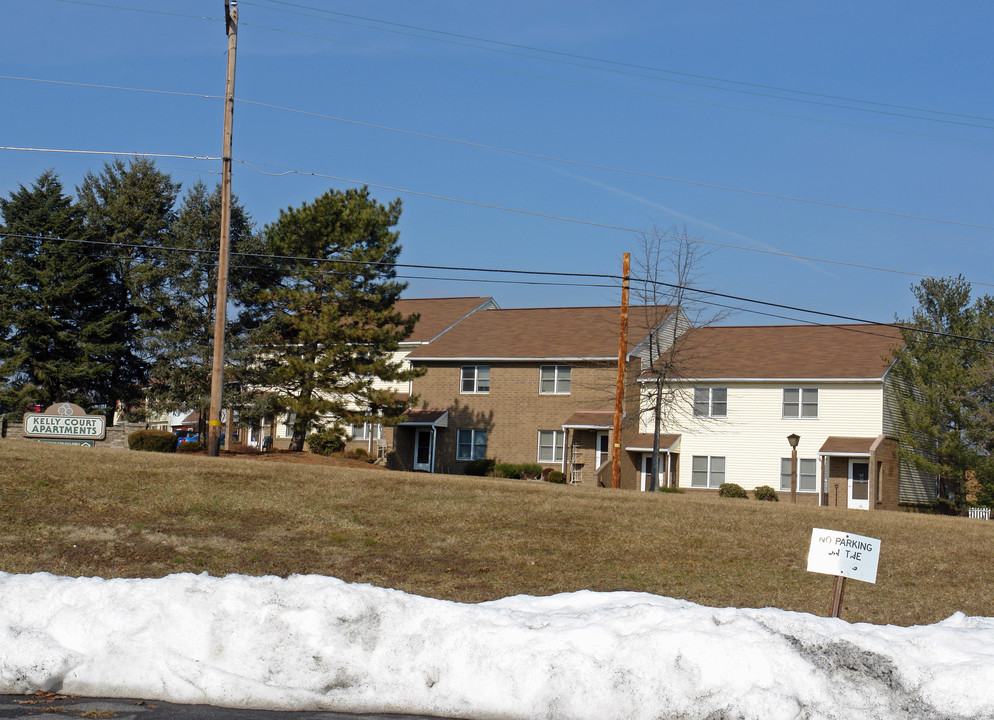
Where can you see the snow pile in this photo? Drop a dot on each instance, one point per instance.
(310, 642)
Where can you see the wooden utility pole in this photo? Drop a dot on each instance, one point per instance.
(619, 394)
(220, 312)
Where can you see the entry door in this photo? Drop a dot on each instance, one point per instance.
(859, 485)
(603, 448)
(422, 449)
(647, 471)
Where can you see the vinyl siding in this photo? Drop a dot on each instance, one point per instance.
(753, 436)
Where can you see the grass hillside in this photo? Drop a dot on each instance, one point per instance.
(118, 513)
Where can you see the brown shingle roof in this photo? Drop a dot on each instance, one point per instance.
(835, 445)
(590, 419)
(539, 333)
(788, 352)
(438, 314)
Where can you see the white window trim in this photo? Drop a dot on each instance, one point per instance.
(476, 380)
(558, 446)
(472, 443)
(800, 403)
(561, 374)
(787, 474)
(710, 460)
(710, 413)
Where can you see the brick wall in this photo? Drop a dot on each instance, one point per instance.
(513, 411)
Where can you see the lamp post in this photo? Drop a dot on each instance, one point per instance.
(793, 439)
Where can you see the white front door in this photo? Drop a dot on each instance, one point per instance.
(859, 484)
(423, 449)
(603, 449)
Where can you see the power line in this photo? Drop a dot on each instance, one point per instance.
(591, 223)
(495, 148)
(110, 152)
(823, 97)
(491, 206)
(505, 271)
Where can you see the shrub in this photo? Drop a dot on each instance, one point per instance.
(188, 446)
(326, 442)
(731, 490)
(481, 467)
(765, 492)
(515, 470)
(556, 477)
(360, 454)
(161, 441)
(669, 490)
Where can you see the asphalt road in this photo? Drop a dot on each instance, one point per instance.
(47, 705)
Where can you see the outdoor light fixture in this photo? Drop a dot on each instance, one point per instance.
(793, 439)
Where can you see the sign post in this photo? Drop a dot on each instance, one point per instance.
(65, 423)
(844, 555)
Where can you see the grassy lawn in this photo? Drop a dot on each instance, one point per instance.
(117, 513)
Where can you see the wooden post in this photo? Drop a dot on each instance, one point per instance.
(793, 474)
(838, 591)
(220, 311)
(619, 394)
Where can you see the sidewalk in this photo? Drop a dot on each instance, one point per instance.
(45, 705)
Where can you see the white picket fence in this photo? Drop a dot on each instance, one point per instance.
(980, 513)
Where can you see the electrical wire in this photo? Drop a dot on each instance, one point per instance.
(495, 148)
(617, 279)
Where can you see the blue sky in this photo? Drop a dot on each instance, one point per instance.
(717, 117)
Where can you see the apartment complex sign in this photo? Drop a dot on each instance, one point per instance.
(63, 422)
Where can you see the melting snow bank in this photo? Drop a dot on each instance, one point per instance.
(311, 642)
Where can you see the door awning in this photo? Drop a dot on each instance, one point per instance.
(643, 443)
(590, 420)
(426, 418)
(836, 446)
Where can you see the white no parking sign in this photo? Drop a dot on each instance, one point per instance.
(844, 554)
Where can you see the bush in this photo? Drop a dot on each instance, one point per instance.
(326, 442)
(556, 477)
(669, 490)
(188, 446)
(765, 492)
(513, 470)
(361, 454)
(481, 467)
(731, 490)
(161, 441)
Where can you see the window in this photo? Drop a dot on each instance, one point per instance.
(366, 431)
(807, 475)
(550, 445)
(475, 379)
(710, 402)
(471, 444)
(707, 472)
(555, 379)
(800, 402)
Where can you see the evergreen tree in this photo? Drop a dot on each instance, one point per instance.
(130, 206)
(183, 346)
(60, 328)
(943, 368)
(326, 330)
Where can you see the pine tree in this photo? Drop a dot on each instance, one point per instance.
(943, 369)
(326, 331)
(60, 327)
(183, 345)
(130, 207)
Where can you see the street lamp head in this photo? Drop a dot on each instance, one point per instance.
(793, 439)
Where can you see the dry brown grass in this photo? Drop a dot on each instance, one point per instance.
(114, 513)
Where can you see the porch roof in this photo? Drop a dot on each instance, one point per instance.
(643, 442)
(426, 418)
(847, 446)
(590, 419)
